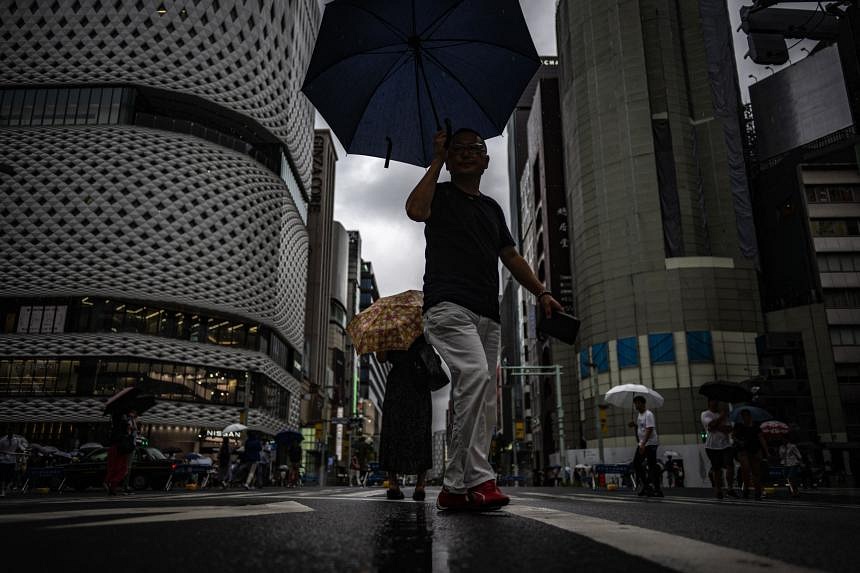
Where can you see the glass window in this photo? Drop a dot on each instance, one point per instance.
(194, 328)
(600, 356)
(699, 346)
(152, 319)
(116, 104)
(584, 369)
(662, 348)
(17, 106)
(628, 352)
(72, 107)
(83, 106)
(27, 107)
(39, 107)
(61, 112)
(104, 98)
(50, 109)
(5, 106)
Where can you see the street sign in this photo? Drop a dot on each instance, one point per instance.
(340, 420)
(520, 430)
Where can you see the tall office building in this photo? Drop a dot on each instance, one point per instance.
(515, 406)
(659, 212)
(802, 147)
(318, 293)
(157, 161)
(546, 247)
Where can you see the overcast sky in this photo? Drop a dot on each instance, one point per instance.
(371, 199)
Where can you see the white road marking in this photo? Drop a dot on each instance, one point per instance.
(363, 493)
(155, 514)
(673, 551)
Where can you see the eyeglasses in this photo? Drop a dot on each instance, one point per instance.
(475, 148)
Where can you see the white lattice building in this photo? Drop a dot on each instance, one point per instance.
(156, 159)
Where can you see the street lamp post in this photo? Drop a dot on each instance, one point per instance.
(554, 369)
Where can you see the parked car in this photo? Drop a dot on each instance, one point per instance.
(150, 468)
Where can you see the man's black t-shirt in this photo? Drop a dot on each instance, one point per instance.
(464, 234)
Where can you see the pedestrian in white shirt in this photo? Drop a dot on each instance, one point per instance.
(718, 447)
(792, 460)
(646, 432)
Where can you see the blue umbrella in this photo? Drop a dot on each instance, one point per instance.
(385, 74)
(758, 414)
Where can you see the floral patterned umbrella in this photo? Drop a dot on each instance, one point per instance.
(774, 428)
(391, 323)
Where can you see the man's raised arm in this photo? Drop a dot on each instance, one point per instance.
(419, 201)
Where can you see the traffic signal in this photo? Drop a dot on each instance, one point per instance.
(704, 436)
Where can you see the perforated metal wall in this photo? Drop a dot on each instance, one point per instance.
(246, 55)
(137, 213)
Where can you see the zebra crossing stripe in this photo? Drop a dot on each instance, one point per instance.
(672, 551)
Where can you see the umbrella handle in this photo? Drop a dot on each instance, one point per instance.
(448, 130)
(388, 153)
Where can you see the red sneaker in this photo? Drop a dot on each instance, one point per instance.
(448, 501)
(488, 496)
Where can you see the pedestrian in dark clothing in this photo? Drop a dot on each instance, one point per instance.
(406, 446)
(295, 454)
(224, 454)
(121, 448)
(251, 457)
(467, 236)
(750, 446)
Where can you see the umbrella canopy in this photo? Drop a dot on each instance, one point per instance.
(774, 428)
(390, 323)
(385, 73)
(758, 414)
(725, 391)
(672, 453)
(623, 394)
(22, 441)
(171, 450)
(128, 399)
(90, 446)
(234, 428)
(288, 436)
(122, 401)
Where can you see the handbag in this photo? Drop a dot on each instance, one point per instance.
(437, 377)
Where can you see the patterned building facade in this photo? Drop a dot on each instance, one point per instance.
(154, 202)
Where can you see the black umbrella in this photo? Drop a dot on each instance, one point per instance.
(725, 391)
(287, 436)
(131, 398)
(385, 74)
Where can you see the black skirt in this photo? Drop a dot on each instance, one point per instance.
(407, 414)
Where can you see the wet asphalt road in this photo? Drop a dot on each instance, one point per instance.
(356, 529)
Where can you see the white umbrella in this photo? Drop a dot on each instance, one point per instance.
(90, 446)
(672, 453)
(235, 428)
(623, 394)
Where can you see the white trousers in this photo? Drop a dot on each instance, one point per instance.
(469, 345)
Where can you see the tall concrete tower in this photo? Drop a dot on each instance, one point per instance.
(659, 213)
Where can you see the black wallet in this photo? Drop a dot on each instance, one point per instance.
(562, 326)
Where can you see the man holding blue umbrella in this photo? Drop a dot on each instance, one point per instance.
(466, 236)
